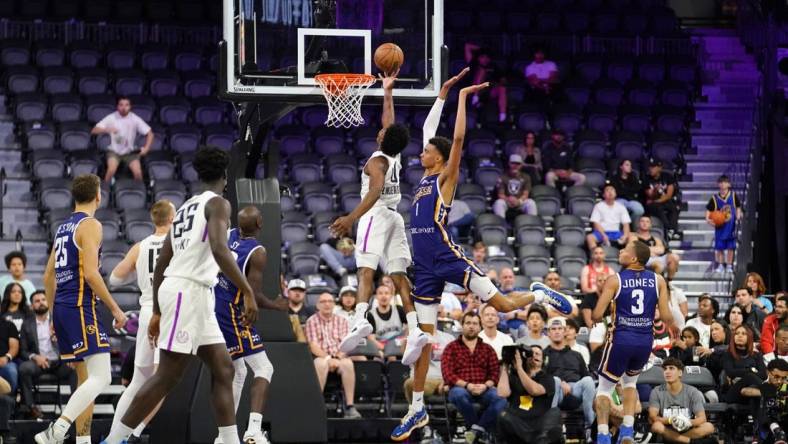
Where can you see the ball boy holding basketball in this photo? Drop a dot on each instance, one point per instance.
(720, 213)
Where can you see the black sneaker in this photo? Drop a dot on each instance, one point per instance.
(707, 440)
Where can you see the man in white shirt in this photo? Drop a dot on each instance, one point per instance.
(610, 221)
(124, 126)
(542, 74)
(490, 334)
(780, 346)
(707, 314)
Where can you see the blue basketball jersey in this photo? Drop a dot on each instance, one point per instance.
(429, 217)
(71, 288)
(727, 206)
(635, 304)
(242, 249)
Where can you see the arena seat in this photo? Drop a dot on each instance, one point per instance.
(320, 224)
(569, 230)
(57, 79)
(304, 258)
(137, 224)
(534, 261)
(83, 162)
(295, 227)
(66, 107)
(580, 201)
(492, 229)
(315, 197)
(110, 223)
(129, 194)
(173, 190)
(342, 168)
(529, 230)
(305, 168)
(48, 163)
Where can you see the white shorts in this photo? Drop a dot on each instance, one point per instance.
(145, 355)
(188, 320)
(381, 240)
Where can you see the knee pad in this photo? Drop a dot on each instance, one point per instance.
(398, 266)
(367, 260)
(261, 366)
(426, 313)
(629, 381)
(240, 369)
(482, 286)
(605, 388)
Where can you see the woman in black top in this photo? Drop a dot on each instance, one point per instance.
(718, 346)
(628, 189)
(743, 366)
(14, 306)
(532, 157)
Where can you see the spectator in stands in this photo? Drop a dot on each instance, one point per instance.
(490, 334)
(324, 330)
(14, 307)
(536, 320)
(663, 338)
(729, 204)
(755, 316)
(388, 323)
(434, 383)
(686, 348)
(296, 293)
(347, 302)
(9, 349)
(629, 189)
(480, 256)
(718, 344)
(339, 255)
(660, 189)
(15, 263)
(609, 221)
(708, 308)
(772, 417)
(595, 267)
(513, 321)
(529, 391)
(780, 346)
(570, 367)
(542, 76)
(553, 280)
(590, 299)
(772, 323)
(661, 257)
(673, 403)
(679, 305)
(736, 316)
(514, 189)
(532, 157)
(558, 160)
(470, 369)
(570, 336)
(743, 365)
(483, 69)
(461, 219)
(755, 282)
(123, 127)
(39, 355)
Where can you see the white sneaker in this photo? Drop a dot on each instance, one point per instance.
(256, 438)
(417, 339)
(720, 269)
(729, 269)
(218, 440)
(360, 330)
(47, 436)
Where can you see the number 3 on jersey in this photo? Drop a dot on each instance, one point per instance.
(637, 302)
(183, 220)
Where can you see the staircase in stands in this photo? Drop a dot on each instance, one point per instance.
(720, 143)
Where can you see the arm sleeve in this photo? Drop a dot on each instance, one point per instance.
(431, 122)
(582, 364)
(12, 331)
(595, 215)
(104, 122)
(142, 127)
(697, 402)
(371, 320)
(493, 368)
(654, 400)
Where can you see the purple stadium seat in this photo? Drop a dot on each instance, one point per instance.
(459, 21)
(670, 120)
(293, 139)
(187, 171)
(683, 69)
(486, 172)
(173, 190)
(628, 146)
(349, 196)
(479, 143)
(518, 22)
(651, 69)
(594, 170)
(159, 137)
(143, 106)
(31, 107)
(342, 168)
(84, 162)
(40, 136)
(669, 152)
(221, 135)
(110, 223)
(163, 83)
(137, 224)
(591, 144)
(84, 54)
(641, 93)
(328, 141)
(621, 70)
(74, 136)
(488, 21)
(120, 55)
(674, 94)
(578, 92)
(305, 168)
(111, 254)
(99, 106)
(294, 226)
(548, 200)
(531, 120)
(208, 110)
(635, 118)
(49, 53)
(608, 92)
(605, 23)
(304, 258)
(48, 164)
(66, 9)
(14, 52)
(187, 58)
(66, 107)
(589, 67)
(548, 22)
(129, 82)
(663, 23)
(92, 81)
(635, 23)
(159, 165)
(55, 192)
(184, 138)
(21, 79)
(128, 11)
(576, 22)
(474, 195)
(57, 80)
(316, 197)
(314, 116)
(320, 224)
(567, 118)
(154, 57)
(174, 110)
(601, 118)
(198, 84)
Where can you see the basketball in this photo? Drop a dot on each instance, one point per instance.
(718, 218)
(389, 57)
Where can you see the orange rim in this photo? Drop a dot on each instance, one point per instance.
(336, 84)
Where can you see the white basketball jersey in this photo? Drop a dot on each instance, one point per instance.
(191, 252)
(390, 196)
(150, 247)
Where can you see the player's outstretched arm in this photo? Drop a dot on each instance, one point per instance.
(88, 236)
(387, 118)
(217, 212)
(254, 274)
(663, 303)
(448, 178)
(376, 170)
(122, 273)
(163, 261)
(608, 292)
(433, 119)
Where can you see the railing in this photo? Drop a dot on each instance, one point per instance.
(2, 195)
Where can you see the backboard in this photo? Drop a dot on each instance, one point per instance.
(272, 49)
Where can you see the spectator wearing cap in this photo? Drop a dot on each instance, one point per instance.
(514, 189)
(490, 334)
(347, 302)
(388, 323)
(629, 189)
(536, 320)
(324, 331)
(15, 263)
(660, 189)
(609, 220)
(339, 255)
(571, 369)
(558, 158)
(296, 293)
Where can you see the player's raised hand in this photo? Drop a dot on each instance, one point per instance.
(473, 89)
(388, 80)
(153, 330)
(450, 82)
(250, 309)
(341, 226)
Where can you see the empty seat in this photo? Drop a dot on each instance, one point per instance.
(621, 70)
(674, 93)
(349, 196)
(320, 224)
(84, 162)
(567, 118)
(602, 118)
(580, 201)
(208, 110)
(305, 168)
(221, 135)
(159, 165)
(174, 110)
(154, 57)
(534, 261)
(21, 79)
(112, 252)
(57, 80)
(591, 144)
(49, 53)
(74, 136)
(594, 170)
(129, 82)
(570, 261)
(641, 92)
(342, 168)
(548, 200)
(92, 81)
(569, 229)
(529, 230)
(683, 69)
(31, 107)
(589, 67)
(578, 92)
(110, 223)
(48, 163)
(635, 118)
(187, 58)
(172, 190)
(474, 195)
(98, 106)
(120, 55)
(316, 197)
(40, 136)
(304, 258)
(608, 92)
(651, 68)
(480, 143)
(531, 119)
(66, 107)
(492, 229)
(129, 194)
(143, 106)
(163, 83)
(14, 52)
(670, 120)
(197, 84)
(184, 138)
(84, 54)
(55, 193)
(294, 227)
(628, 145)
(486, 172)
(328, 141)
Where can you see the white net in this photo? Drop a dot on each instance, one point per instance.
(344, 93)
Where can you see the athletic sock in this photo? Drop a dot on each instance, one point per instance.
(255, 422)
(603, 429)
(138, 431)
(418, 401)
(361, 310)
(628, 421)
(413, 321)
(774, 426)
(60, 428)
(229, 434)
(119, 433)
(83, 440)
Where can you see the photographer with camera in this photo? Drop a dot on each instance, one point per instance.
(773, 405)
(529, 391)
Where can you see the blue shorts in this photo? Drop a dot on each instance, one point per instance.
(79, 332)
(241, 341)
(629, 354)
(612, 235)
(724, 244)
(428, 282)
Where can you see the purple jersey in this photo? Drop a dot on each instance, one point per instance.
(71, 288)
(635, 304)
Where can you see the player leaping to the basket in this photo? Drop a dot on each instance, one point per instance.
(438, 259)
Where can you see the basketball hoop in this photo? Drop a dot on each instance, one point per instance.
(344, 93)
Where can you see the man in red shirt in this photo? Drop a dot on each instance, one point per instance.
(772, 323)
(470, 369)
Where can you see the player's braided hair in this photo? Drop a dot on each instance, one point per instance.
(211, 162)
(443, 145)
(395, 139)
